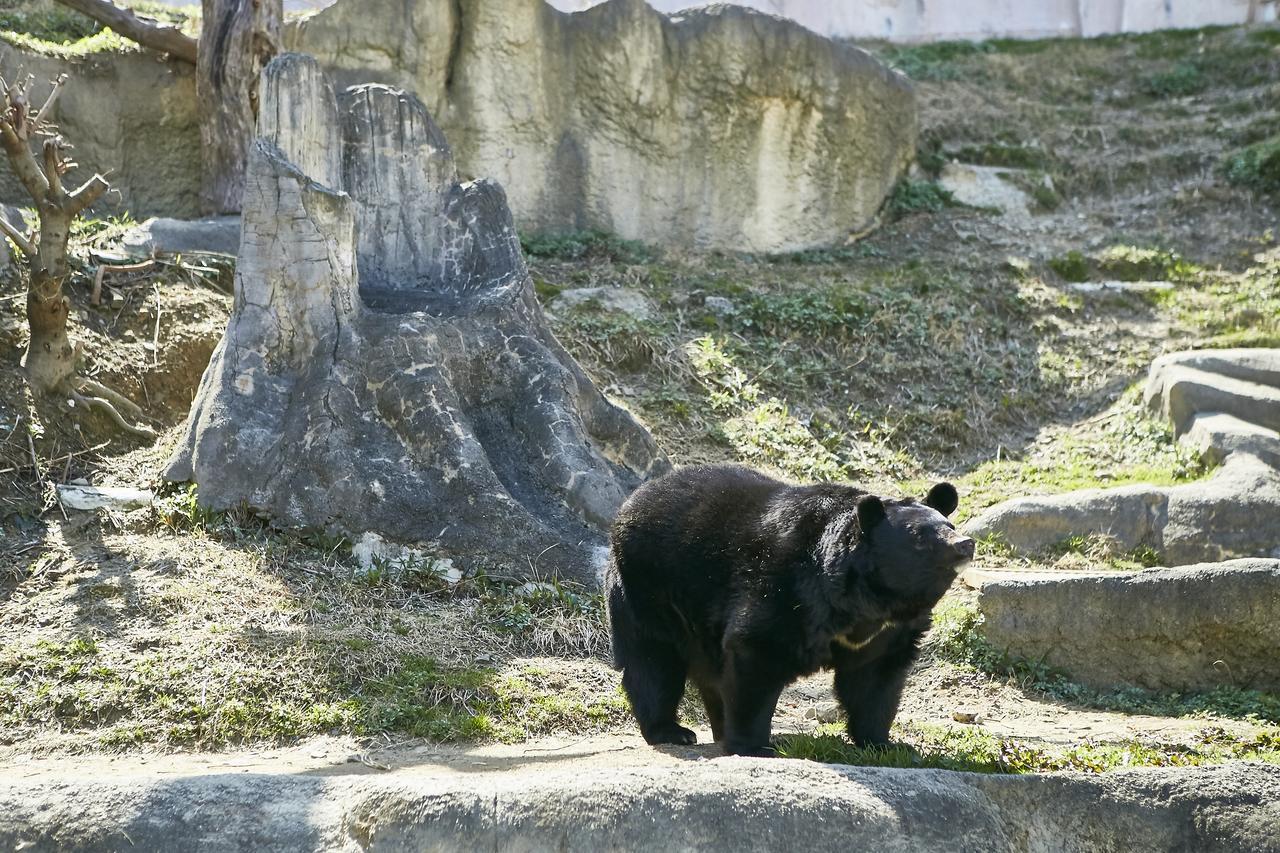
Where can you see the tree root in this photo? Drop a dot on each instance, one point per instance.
(121, 401)
(107, 400)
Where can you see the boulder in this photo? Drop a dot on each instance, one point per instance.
(1231, 514)
(719, 128)
(386, 368)
(1188, 628)
(618, 300)
(1240, 382)
(164, 236)
(549, 804)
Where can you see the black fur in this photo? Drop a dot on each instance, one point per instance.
(742, 583)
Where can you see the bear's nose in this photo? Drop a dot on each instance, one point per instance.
(964, 547)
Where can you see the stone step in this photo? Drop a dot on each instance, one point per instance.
(1255, 364)
(1181, 392)
(1193, 627)
(1217, 435)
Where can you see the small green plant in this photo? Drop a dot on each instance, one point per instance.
(912, 196)
(1183, 79)
(180, 510)
(1256, 167)
(1073, 266)
(594, 245)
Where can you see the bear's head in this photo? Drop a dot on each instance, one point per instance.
(915, 552)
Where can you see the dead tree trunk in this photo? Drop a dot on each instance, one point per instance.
(237, 40)
(386, 368)
(50, 360)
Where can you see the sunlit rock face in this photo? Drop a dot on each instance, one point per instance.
(386, 368)
(721, 128)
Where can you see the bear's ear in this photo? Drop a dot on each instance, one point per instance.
(870, 512)
(943, 498)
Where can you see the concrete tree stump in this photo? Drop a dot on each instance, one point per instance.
(386, 368)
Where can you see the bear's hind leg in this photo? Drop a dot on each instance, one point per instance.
(654, 682)
(750, 697)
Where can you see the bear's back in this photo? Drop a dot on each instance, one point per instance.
(691, 543)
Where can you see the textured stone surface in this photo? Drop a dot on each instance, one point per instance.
(720, 128)
(422, 398)
(164, 236)
(1226, 403)
(1192, 627)
(717, 128)
(128, 114)
(1240, 382)
(719, 804)
(1232, 513)
(621, 300)
(987, 186)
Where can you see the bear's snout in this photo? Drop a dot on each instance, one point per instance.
(964, 548)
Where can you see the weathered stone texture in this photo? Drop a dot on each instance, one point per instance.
(128, 114)
(1224, 403)
(711, 805)
(1187, 628)
(718, 128)
(402, 382)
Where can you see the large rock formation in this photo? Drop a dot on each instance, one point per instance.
(1226, 403)
(717, 128)
(386, 367)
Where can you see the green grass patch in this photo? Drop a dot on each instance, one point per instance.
(976, 751)
(1130, 446)
(912, 196)
(589, 245)
(1181, 80)
(1256, 167)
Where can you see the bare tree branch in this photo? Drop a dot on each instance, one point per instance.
(19, 239)
(43, 115)
(52, 171)
(147, 32)
(88, 192)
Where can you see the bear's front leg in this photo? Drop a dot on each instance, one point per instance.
(869, 685)
(751, 690)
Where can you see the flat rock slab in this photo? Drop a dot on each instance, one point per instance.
(1192, 627)
(648, 801)
(986, 186)
(162, 236)
(617, 300)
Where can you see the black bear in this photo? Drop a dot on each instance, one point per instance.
(742, 584)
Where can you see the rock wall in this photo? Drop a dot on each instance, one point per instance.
(131, 113)
(717, 129)
(721, 128)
